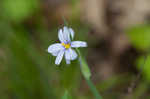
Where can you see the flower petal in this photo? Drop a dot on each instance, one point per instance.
(61, 36)
(67, 61)
(70, 54)
(71, 32)
(55, 53)
(66, 34)
(59, 57)
(55, 48)
(78, 44)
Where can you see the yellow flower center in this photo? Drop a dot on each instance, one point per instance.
(65, 45)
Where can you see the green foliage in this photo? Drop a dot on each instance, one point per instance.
(18, 10)
(144, 66)
(140, 36)
(27, 77)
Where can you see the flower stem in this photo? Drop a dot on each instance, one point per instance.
(93, 89)
(65, 96)
(87, 74)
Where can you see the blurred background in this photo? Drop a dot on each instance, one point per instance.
(118, 36)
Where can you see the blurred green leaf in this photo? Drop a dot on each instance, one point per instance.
(140, 36)
(17, 10)
(144, 66)
(69, 76)
(28, 80)
(140, 91)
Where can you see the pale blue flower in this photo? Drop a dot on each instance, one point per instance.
(64, 48)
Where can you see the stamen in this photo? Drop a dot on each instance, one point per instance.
(65, 45)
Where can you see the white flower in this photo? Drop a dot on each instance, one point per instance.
(64, 48)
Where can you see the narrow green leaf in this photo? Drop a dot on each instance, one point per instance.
(84, 67)
(65, 96)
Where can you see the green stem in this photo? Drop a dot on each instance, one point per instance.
(65, 96)
(93, 89)
(87, 74)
